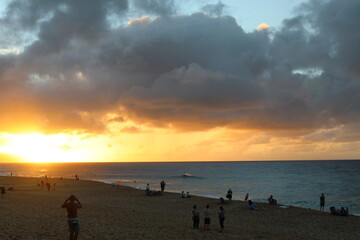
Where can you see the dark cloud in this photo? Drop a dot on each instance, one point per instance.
(214, 9)
(189, 72)
(157, 7)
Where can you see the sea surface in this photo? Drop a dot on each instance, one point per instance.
(295, 183)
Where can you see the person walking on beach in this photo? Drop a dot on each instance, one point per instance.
(72, 204)
(222, 218)
(195, 217)
(162, 185)
(207, 217)
(322, 202)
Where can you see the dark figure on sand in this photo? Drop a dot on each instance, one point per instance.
(272, 201)
(195, 217)
(344, 211)
(229, 194)
(251, 205)
(221, 217)
(48, 186)
(322, 202)
(72, 204)
(207, 217)
(247, 197)
(2, 191)
(162, 185)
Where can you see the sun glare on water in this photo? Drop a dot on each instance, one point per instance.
(39, 148)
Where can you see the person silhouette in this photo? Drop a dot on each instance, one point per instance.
(72, 204)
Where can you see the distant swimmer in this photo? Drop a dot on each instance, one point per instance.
(72, 204)
(322, 202)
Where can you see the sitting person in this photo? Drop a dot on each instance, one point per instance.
(334, 211)
(229, 194)
(187, 195)
(272, 201)
(158, 193)
(251, 205)
(344, 212)
(183, 195)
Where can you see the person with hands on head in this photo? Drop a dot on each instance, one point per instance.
(72, 204)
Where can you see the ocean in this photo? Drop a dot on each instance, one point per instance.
(295, 183)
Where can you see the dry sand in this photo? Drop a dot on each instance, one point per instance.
(30, 212)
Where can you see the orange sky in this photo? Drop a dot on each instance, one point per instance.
(152, 82)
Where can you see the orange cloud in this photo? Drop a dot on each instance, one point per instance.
(263, 26)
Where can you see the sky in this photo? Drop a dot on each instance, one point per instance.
(179, 80)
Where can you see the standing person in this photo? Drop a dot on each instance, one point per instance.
(195, 217)
(207, 217)
(222, 218)
(322, 202)
(247, 197)
(48, 185)
(147, 187)
(72, 204)
(162, 185)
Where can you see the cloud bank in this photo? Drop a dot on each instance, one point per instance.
(78, 71)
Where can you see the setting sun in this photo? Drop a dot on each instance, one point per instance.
(41, 148)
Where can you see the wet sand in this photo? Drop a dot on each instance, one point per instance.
(30, 212)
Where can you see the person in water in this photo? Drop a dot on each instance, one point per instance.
(72, 204)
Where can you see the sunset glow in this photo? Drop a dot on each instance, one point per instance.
(41, 148)
(263, 26)
(160, 81)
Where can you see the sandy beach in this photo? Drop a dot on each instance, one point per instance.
(30, 212)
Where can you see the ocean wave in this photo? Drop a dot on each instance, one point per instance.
(188, 175)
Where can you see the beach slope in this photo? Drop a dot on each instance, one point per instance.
(30, 212)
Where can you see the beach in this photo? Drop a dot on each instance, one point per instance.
(112, 212)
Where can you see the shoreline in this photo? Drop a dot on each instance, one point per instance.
(111, 213)
(174, 192)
